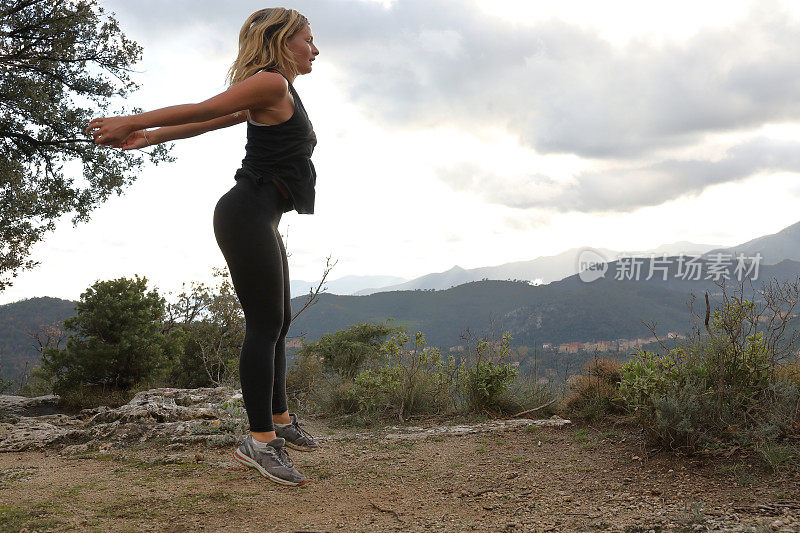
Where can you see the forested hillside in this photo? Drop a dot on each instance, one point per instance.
(17, 320)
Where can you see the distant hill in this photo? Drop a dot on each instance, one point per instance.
(533, 314)
(545, 269)
(773, 248)
(566, 310)
(16, 320)
(345, 284)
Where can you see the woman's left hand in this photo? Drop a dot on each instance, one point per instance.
(110, 131)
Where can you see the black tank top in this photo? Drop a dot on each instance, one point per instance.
(283, 151)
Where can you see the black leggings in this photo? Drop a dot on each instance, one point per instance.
(246, 227)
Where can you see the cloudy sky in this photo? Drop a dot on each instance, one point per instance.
(468, 132)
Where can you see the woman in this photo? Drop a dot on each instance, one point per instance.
(277, 175)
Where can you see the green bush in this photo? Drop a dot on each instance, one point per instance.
(346, 351)
(485, 383)
(724, 387)
(407, 378)
(348, 373)
(303, 378)
(213, 326)
(375, 390)
(332, 396)
(483, 378)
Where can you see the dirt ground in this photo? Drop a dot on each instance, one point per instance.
(531, 478)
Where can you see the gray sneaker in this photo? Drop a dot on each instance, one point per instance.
(272, 462)
(296, 437)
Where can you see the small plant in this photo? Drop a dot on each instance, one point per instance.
(582, 435)
(693, 513)
(776, 456)
(484, 378)
(236, 422)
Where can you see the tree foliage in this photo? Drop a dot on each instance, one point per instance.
(62, 62)
(116, 339)
(345, 351)
(213, 325)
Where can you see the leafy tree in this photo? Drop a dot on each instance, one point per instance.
(55, 54)
(116, 338)
(213, 325)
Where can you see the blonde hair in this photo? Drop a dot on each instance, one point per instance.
(262, 43)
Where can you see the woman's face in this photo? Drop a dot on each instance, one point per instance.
(302, 46)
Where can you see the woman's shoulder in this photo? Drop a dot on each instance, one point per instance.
(271, 82)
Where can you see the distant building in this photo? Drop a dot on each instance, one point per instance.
(457, 348)
(570, 347)
(294, 343)
(547, 345)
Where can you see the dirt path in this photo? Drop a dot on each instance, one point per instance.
(525, 479)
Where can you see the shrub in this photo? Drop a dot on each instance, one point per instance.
(485, 383)
(304, 377)
(596, 393)
(85, 395)
(483, 377)
(332, 395)
(346, 351)
(723, 387)
(408, 378)
(524, 394)
(403, 377)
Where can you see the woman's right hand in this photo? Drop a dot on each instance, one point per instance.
(135, 140)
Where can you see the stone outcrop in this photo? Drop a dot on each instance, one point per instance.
(176, 417)
(12, 407)
(170, 414)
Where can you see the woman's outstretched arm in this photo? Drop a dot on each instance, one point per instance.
(138, 139)
(259, 90)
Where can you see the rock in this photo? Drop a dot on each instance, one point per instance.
(158, 413)
(17, 406)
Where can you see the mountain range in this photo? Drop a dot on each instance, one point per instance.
(784, 244)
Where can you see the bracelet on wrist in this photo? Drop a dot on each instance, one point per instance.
(144, 132)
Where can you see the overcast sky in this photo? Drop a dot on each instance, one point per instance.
(469, 133)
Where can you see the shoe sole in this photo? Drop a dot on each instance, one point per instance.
(246, 461)
(298, 448)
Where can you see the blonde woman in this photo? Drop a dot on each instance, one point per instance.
(277, 175)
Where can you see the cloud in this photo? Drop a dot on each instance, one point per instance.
(559, 87)
(625, 189)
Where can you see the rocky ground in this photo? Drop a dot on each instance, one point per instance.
(164, 463)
